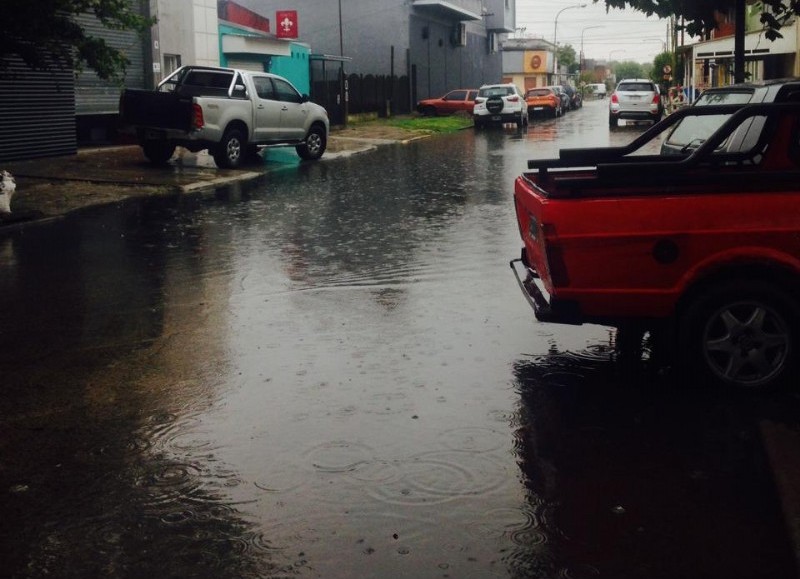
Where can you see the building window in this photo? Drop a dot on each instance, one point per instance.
(492, 41)
(172, 62)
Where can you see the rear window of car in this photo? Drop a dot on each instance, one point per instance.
(693, 131)
(724, 98)
(539, 92)
(494, 91)
(636, 87)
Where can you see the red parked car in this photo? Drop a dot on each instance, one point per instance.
(700, 248)
(462, 99)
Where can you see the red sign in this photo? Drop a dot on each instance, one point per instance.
(286, 23)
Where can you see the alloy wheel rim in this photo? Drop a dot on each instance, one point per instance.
(746, 343)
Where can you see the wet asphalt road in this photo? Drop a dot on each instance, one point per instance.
(331, 372)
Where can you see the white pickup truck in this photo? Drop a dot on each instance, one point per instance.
(227, 111)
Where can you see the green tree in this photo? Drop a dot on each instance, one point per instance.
(44, 33)
(628, 69)
(659, 62)
(699, 14)
(567, 55)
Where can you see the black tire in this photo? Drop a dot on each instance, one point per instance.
(613, 122)
(429, 111)
(314, 144)
(740, 334)
(158, 152)
(231, 150)
(477, 122)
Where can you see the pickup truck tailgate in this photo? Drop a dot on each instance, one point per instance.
(165, 110)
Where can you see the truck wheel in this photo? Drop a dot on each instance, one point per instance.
(230, 151)
(613, 122)
(158, 152)
(741, 334)
(313, 145)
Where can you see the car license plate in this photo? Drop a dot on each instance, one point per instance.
(496, 118)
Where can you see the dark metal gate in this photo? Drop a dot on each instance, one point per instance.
(37, 112)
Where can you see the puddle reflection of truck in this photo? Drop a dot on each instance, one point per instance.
(232, 113)
(700, 248)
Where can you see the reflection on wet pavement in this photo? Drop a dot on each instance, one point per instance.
(332, 373)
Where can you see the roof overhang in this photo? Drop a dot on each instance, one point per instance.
(331, 57)
(236, 44)
(446, 10)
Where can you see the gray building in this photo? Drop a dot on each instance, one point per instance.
(427, 46)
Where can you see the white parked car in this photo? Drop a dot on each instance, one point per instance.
(500, 103)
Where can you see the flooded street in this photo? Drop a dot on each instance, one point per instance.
(331, 372)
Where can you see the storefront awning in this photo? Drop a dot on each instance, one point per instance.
(236, 44)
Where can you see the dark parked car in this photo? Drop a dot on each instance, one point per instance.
(565, 103)
(692, 132)
(575, 99)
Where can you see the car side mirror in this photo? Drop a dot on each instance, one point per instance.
(240, 91)
(305, 98)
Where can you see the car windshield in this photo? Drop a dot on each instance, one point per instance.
(495, 91)
(693, 131)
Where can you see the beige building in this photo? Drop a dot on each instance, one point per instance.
(528, 63)
(711, 62)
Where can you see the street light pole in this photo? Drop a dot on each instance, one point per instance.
(582, 32)
(555, 40)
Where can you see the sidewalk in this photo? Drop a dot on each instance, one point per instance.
(52, 187)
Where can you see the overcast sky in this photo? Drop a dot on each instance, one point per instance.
(616, 35)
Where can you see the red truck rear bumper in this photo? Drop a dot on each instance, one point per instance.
(545, 308)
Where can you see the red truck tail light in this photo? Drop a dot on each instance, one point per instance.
(657, 99)
(555, 256)
(513, 99)
(197, 117)
(614, 98)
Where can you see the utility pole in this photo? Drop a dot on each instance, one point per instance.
(738, 42)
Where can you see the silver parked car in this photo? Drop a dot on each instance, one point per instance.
(635, 99)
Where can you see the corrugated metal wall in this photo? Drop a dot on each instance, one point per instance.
(37, 113)
(94, 96)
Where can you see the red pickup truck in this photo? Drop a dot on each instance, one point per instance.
(700, 247)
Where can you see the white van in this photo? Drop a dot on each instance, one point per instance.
(597, 89)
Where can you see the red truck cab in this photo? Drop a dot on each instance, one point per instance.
(702, 247)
